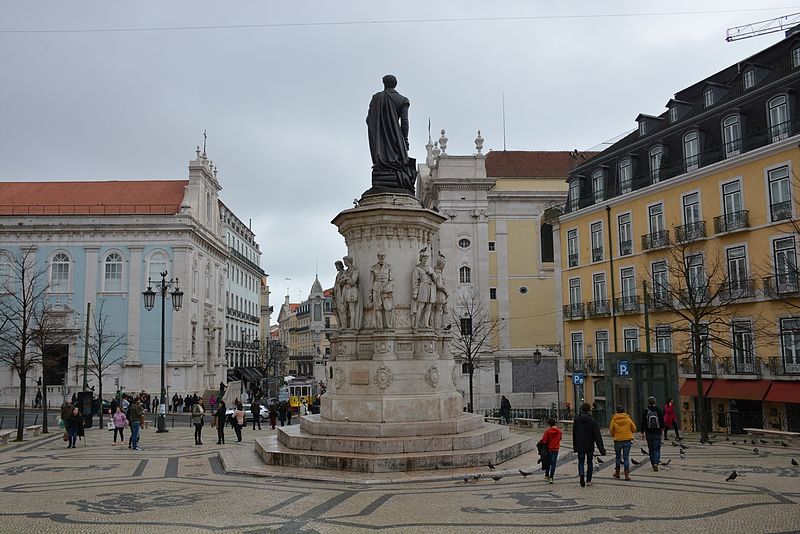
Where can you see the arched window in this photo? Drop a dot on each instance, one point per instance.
(59, 273)
(464, 275)
(625, 176)
(546, 232)
(691, 151)
(778, 110)
(655, 163)
(156, 266)
(112, 278)
(732, 135)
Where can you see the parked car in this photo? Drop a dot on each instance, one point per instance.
(248, 415)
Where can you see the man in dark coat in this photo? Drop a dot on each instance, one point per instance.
(387, 128)
(585, 435)
(255, 409)
(652, 426)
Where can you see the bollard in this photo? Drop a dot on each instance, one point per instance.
(173, 421)
(2, 419)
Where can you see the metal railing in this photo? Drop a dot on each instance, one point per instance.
(660, 300)
(573, 311)
(738, 366)
(655, 240)
(598, 308)
(625, 248)
(781, 211)
(734, 421)
(627, 305)
(690, 232)
(597, 254)
(741, 288)
(730, 222)
(782, 285)
(687, 366)
(779, 367)
(573, 260)
(588, 365)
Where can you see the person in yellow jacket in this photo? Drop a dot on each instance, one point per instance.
(622, 430)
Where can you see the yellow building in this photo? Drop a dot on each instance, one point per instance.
(699, 206)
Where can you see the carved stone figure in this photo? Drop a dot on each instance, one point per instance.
(382, 293)
(387, 127)
(339, 303)
(423, 292)
(440, 306)
(352, 295)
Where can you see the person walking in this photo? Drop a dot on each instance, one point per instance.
(622, 430)
(120, 421)
(219, 418)
(552, 440)
(238, 421)
(652, 425)
(505, 409)
(255, 410)
(585, 435)
(282, 413)
(136, 418)
(74, 426)
(289, 413)
(670, 421)
(273, 415)
(198, 418)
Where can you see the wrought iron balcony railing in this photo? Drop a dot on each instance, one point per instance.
(687, 366)
(690, 232)
(573, 260)
(779, 367)
(781, 211)
(598, 308)
(730, 222)
(782, 286)
(597, 254)
(587, 365)
(627, 305)
(573, 310)
(660, 300)
(655, 240)
(625, 248)
(740, 288)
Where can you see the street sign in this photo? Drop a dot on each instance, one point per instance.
(578, 378)
(623, 368)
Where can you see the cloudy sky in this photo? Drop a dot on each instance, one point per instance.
(109, 90)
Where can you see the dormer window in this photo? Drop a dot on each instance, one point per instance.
(642, 128)
(796, 57)
(673, 114)
(749, 78)
(708, 98)
(625, 176)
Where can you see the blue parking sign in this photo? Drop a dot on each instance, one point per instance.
(623, 368)
(578, 378)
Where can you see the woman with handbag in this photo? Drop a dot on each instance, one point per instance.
(219, 421)
(120, 422)
(238, 421)
(198, 417)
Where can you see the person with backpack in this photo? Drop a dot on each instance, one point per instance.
(652, 427)
(585, 434)
(238, 421)
(622, 430)
(552, 440)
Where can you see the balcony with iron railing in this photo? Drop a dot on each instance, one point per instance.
(709, 156)
(732, 222)
(587, 365)
(780, 367)
(782, 286)
(695, 295)
(573, 310)
(598, 308)
(737, 289)
(625, 248)
(573, 260)
(627, 305)
(687, 366)
(739, 366)
(690, 232)
(655, 240)
(597, 254)
(780, 211)
(660, 300)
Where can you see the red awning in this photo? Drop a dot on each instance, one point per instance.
(784, 392)
(689, 387)
(739, 389)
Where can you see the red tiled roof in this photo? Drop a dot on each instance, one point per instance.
(134, 197)
(530, 164)
(293, 307)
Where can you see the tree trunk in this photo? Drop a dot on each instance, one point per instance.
(698, 375)
(21, 414)
(44, 404)
(100, 389)
(471, 400)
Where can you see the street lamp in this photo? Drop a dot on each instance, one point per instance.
(149, 303)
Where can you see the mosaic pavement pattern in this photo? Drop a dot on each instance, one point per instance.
(175, 486)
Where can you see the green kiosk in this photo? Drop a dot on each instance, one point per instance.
(632, 377)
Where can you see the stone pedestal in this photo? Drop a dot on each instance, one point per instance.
(391, 402)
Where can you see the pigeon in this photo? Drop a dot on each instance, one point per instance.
(634, 461)
(794, 462)
(753, 441)
(683, 456)
(476, 477)
(466, 479)
(674, 444)
(732, 476)
(599, 460)
(665, 464)
(755, 450)
(735, 442)
(644, 451)
(497, 477)
(448, 327)
(784, 444)
(490, 465)
(524, 473)
(727, 438)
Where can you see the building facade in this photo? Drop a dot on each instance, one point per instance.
(499, 251)
(103, 244)
(681, 238)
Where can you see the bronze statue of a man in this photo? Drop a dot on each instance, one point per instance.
(387, 127)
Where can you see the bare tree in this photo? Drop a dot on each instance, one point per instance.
(476, 330)
(696, 293)
(23, 309)
(104, 350)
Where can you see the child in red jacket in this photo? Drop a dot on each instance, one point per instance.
(552, 439)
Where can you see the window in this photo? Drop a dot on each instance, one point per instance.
(113, 272)
(732, 136)
(598, 185)
(574, 291)
(523, 290)
(491, 246)
(629, 302)
(780, 200)
(655, 163)
(790, 344)
(691, 151)
(572, 248)
(59, 273)
(663, 339)
(466, 326)
(464, 368)
(796, 58)
(737, 268)
(743, 347)
(749, 78)
(599, 293)
(631, 337)
(785, 263)
(577, 348)
(656, 218)
(574, 194)
(696, 276)
(660, 285)
(6, 271)
(642, 128)
(708, 98)
(597, 241)
(463, 242)
(493, 293)
(156, 266)
(601, 342)
(625, 234)
(625, 176)
(546, 234)
(778, 118)
(691, 208)
(464, 275)
(673, 114)
(732, 198)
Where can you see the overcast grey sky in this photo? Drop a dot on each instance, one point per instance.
(284, 105)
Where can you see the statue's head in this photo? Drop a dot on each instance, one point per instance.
(389, 81)
(348, 260)
(423, 257)
(339, 265)
(381, 257)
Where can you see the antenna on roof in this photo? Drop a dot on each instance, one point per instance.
(504, 122)
(204, 142)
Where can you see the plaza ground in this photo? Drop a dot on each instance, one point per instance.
(176, 486)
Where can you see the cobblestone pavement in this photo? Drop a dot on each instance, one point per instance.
(175, 486)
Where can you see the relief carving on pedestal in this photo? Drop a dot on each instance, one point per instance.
(432, 377)
(338, 377)
(383, 377)
(454, 375)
